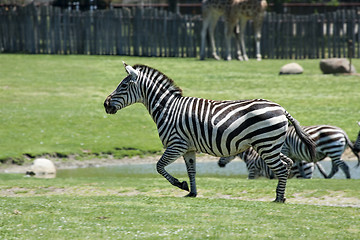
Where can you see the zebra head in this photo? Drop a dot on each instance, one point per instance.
(125, 94)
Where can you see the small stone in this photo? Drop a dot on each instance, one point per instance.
(291, 68)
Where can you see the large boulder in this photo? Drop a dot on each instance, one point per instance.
(291, 68)
(336, 65)
(42, 167)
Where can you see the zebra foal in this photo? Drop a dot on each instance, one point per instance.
(219, 128)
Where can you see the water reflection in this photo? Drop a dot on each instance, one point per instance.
(235, 168)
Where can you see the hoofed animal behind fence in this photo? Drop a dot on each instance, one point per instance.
(154, 32)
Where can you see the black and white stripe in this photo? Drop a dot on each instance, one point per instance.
(357, 142)
(330, 142)
(220, 128)
(258, 168)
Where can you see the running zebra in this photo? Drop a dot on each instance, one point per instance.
(258, 168)
(330, 142)
(220, 128)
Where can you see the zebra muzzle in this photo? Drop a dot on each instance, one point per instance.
(109, 108)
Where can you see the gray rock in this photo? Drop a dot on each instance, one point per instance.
(291, 68)
(336, 65)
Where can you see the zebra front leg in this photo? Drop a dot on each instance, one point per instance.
(169, 156)
(190, 160)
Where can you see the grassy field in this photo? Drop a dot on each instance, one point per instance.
(150, 208)
(54, 104)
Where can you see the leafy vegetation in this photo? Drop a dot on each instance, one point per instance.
(53, 104)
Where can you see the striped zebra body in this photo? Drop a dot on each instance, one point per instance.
(219, 128)
(330, 142)
(258, 168)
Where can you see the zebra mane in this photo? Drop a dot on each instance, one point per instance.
(170, 83)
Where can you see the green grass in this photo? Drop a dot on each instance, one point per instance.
(54, 104)
(151, 208)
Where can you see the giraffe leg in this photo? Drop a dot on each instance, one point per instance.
(205, 26)
(209, 23)
(229, 27)
(242, 56)
(169, 156)
(190, 160)
(257, 30)
(238, 43)
(212, 26)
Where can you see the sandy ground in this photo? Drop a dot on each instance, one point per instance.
(71, 162)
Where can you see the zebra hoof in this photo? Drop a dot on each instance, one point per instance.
(280, 200)
(191, 195)
(184, 186)
(221, 165)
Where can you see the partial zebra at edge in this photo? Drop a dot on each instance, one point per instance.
(331, 141)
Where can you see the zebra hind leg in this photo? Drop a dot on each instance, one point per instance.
(287, 161)
(345, 169)
(281, 169)
(190, 161)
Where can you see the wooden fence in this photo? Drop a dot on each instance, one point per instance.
(153, 32)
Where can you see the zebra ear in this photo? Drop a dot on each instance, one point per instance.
(131, 71)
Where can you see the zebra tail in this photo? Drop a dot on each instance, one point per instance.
(304, 137)
(355, 151)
